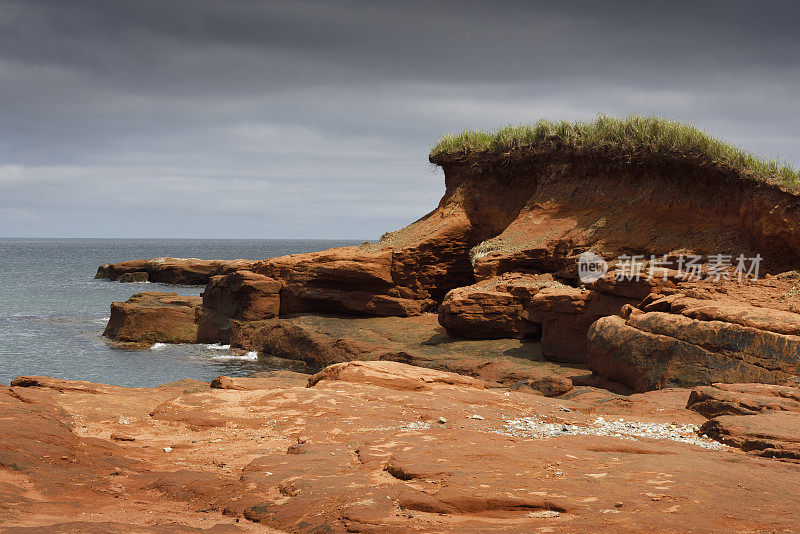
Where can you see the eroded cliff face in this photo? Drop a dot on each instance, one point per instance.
(539, 210)
(497, 258)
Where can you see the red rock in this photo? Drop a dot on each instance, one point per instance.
(566, 314)
(549, 386)
(241, 295)
(137, 276)
(264, 380)
(551, 205)
(743, 399)
(491, 308)
(184, 271)
(318, 341)
(154, 317)
(392, 375)
(772, 434)
(656, 349)
(466, 475)
(520, 305)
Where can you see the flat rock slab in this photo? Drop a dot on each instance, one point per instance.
(353, 455)
(321, 340)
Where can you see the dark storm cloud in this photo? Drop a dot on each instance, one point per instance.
(313, 119)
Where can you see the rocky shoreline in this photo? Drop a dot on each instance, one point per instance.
(459, 374)
(384, 446)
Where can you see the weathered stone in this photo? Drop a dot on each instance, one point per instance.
(743, 399)
(392, 375)
(182, 271)
(656, 349)
(492, 308)
(136, 276)
(772, 434)
(154, 317)
(241, 295)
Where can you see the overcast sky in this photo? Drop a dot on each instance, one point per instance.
(251, 119)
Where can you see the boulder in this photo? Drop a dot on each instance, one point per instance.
(154, 317)
(242, 295)
(348, 279)
(651, 350)
(547, 385)
(134, 277)
(566, 314)
(493, 308)
(527, 305)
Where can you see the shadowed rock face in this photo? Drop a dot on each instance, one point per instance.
(178, 271)
(377, 447)
(241, 295)
(154, 317)
(691, 341)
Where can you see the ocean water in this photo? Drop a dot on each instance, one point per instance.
(53, 311)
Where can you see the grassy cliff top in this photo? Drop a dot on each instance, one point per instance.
(624, 135)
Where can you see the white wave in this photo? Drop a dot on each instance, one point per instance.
(104, 320)
(158, 346)
(217, 346)
(249, 357)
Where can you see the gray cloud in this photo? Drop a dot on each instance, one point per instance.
(238, 118)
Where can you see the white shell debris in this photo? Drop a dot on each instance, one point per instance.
(536, 428)
(415, 425)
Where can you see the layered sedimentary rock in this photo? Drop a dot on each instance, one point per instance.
(760, 419)
(682, 341)
(371, 449)
(241, 295)
(154, 317)
(178, 271)
(318, 340)
(497, 258)
(524, 305)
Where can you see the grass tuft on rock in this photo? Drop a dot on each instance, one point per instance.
(617, 134)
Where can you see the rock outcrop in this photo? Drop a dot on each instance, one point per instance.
(497, 259)
(153, 317)
(760, 419)
(524, 305)
(371, 448)
(680, 341)
(176, 271)
(241, 295)
(317, 341)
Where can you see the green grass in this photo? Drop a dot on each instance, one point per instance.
(624, 135)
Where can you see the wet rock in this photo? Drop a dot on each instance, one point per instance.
(137, 276)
